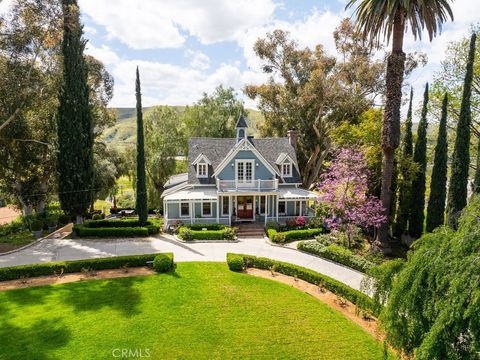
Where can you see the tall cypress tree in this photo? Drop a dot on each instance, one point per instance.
(403, 210)
(476, 180)
(415, 220)
(75, 128)
(457, 190)
(438, 185)
(141, 201)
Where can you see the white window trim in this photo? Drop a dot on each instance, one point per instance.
(289, 174)
(206, 170)
(243, 182)
(222, 204)
(180, 209)
(211, 209)
(285, 202)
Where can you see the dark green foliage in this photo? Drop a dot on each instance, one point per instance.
(74, 124)
(361, 300)
(433, 308)
(225, 233)
(206, 226)
(114, 228)
(235, 262)
(336, 253)
(457, 191)
(293, 235)
(141, 188)
(405, 189)
(163, 263)
(17, 272)
(476, 180)
(438, 185)
(417, 216)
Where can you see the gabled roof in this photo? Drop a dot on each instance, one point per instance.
(216, 149)
(199, 158)
(241, 123)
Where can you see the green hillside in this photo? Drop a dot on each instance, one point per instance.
(123, 133)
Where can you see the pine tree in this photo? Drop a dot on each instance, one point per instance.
(438, 185)
(417, 216)
(75, 128)
(141, 203)
(403, 210)
(457, 191)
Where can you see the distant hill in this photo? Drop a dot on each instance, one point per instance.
(123, 133)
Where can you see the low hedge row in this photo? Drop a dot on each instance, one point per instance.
(292, 235)
(336, 253)
(116, 228)
(227, 233)
(206, 226)
(238, 262)
(25, 271)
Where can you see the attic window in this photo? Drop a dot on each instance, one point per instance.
(287, 169)
(202, 170)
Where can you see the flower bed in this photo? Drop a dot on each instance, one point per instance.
(336, 253)
(117, 262)
(189, 233)
(238, 262)
(117, 228)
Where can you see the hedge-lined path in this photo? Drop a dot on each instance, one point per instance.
(76, 249)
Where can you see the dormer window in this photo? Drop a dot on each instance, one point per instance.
(202, 170)
(287, 169)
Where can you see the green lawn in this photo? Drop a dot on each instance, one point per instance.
(203, 311)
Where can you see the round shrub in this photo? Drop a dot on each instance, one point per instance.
(162, 263)
(235, 262)
(63, 219)
(36, 225)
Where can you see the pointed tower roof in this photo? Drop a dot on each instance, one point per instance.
(241, 123)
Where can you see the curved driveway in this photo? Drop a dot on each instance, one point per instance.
(74, 249)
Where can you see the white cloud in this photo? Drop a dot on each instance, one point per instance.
(103, 53)
(198, 60)
(150, 24)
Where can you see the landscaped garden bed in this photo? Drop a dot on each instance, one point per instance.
(207, 232)
(117, 228)
(165, 315)
(295, 229)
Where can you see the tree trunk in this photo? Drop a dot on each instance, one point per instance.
(391, 123)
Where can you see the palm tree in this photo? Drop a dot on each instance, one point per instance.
(388, 19)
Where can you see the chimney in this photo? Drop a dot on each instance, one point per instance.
(292, 137)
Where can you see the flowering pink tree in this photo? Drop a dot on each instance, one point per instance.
(343, 190)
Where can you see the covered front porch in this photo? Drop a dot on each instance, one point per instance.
(208, 206)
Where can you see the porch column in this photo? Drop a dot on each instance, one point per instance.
(192, 209)
(218, 209)
(301, 205)
(230, 210)
(254, 207)
(165, 214)
(276, 211)
(266, 209)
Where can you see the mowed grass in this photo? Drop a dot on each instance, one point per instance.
(203, 311)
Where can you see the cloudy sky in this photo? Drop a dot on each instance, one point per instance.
(187, 47)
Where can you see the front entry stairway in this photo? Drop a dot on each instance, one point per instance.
(252, 230)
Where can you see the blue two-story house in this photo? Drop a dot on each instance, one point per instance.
(238, 180)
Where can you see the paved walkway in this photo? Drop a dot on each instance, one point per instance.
(73, 249)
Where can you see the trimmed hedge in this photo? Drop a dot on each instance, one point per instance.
(336, 253)
(206, 226)
(163, 263)
(227, 233)
(356, 297)
(116, 228)
(292, 235)
(23, 271)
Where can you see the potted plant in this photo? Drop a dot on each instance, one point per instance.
(52, 223)
(37, 228)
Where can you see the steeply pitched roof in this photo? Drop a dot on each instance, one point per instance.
(241, 123)
(215, 149)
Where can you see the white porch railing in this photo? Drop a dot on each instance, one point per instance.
(255, 185)
(223, 221)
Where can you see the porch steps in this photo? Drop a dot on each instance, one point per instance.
(250, 231)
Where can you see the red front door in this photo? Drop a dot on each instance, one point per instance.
(245, 207)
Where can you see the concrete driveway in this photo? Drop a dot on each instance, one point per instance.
(72, 249)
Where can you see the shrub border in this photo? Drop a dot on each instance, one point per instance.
(125, 228)
(115, 262)
(361, 300)
(290, 234)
